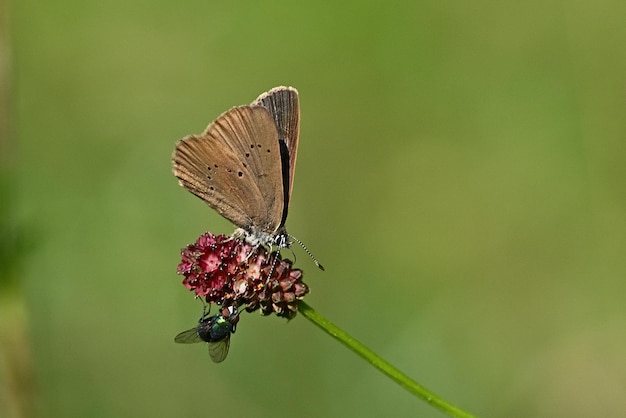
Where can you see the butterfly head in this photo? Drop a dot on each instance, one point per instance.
(256, 238)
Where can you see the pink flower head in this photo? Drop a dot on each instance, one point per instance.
(227, 271)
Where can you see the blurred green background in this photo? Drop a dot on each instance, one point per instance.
(461, 176)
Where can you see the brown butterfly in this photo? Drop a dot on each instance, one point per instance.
(243, 165)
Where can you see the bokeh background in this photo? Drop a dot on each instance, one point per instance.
(461, 175)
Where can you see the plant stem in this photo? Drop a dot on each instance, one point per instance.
(381, 364)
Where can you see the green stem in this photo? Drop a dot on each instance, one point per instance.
(381, 364)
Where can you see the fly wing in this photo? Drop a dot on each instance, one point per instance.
(219, 350)
(284, 106)
(235, 167)
(188, 337)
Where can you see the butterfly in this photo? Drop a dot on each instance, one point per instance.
(243, 165)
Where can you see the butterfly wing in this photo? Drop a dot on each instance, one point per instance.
(235, 167)
(284, 106)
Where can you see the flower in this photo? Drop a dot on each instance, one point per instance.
(229, 272)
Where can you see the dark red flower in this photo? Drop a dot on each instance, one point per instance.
(229, 272)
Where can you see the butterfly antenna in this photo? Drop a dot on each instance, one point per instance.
(306, 250)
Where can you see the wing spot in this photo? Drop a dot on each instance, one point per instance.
(245, 165)
(240, 174)
(268, 151)
(247, 154)
(215, 165)
(252, 146)
(211, 188)
(209, 177)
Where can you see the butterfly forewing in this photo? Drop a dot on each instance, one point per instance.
(196, 171)
(235, 167)
(284, 106)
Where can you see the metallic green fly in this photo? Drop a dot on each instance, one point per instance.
(214, 330)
